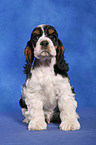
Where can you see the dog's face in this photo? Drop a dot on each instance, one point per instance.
(44, 45)
(44, 40)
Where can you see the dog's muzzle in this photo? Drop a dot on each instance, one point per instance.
(44, 43)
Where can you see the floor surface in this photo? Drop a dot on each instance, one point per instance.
(14, 132)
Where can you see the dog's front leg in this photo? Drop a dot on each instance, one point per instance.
(69, 117)
(37, 120)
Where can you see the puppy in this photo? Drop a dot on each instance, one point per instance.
(47, 94)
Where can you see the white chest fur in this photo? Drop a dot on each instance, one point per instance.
(44, 85)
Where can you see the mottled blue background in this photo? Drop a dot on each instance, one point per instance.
(75, 22)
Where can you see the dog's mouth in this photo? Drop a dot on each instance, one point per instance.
(45, 55)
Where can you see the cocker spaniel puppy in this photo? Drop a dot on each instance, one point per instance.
(47, 94)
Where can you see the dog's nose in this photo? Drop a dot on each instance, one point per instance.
(44, 43)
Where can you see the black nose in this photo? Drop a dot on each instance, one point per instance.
(44, 43)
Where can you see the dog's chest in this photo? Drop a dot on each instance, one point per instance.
(45, 80)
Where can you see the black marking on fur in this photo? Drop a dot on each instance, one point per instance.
(61, 67)
(56, 109)
(22, 103)
(27, 69)
(72, 88)
(35, 37)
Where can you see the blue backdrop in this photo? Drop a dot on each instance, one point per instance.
(75, 22)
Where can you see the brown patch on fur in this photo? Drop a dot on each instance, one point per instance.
(50, 31)
(60, 51)
(37, 31)
(28, 54)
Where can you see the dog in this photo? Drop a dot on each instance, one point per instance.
(47, 94)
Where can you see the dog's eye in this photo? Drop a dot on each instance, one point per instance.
(35, 37)
(52, 37)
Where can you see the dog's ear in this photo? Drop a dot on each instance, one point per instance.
(29, 52)
(60, 50)
(61, 66)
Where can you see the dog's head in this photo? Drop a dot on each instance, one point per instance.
(44, 40)
(44, 44)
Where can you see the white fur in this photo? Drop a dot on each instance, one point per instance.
(43, 91)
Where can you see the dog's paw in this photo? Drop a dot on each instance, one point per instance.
(37, 125)
(69, 125)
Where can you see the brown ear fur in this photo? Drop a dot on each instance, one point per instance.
(28, 51)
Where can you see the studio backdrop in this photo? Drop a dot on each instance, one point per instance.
(75, 22)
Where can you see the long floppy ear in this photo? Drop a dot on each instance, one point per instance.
(29, 53)
(61, 66)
